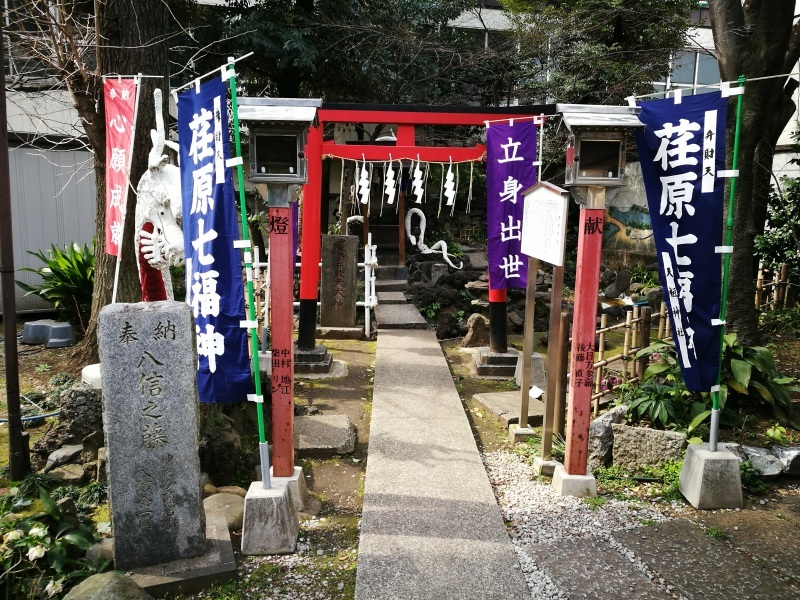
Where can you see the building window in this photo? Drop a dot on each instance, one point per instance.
(691, 68)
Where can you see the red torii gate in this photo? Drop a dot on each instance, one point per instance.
(406, 117)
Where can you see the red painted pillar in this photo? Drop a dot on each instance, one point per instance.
(281, 259)
(584, 326)
(310, 241)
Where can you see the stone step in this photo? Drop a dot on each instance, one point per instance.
(384, 272)
(324, 434)
(399, 316)
(391, 285)
(486, 370)
(392, 298)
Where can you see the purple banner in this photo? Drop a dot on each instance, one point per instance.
(510, 170)
(214, 287)
(682, 150)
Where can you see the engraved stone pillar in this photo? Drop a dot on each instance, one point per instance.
(150, 417)
(338, 283)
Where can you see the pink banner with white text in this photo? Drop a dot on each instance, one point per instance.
(120, 105)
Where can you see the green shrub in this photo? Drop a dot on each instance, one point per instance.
(42, 554)
(67, 282)
(784, 322)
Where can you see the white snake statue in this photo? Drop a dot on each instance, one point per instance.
(440, 246)
(158, 203)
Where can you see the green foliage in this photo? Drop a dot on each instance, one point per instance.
(42, 554)
(784, 322)
(661, 482)
(776, 433)
(751, 480)
(716, 532)
(749, 373)
(780, 242)
(669, 474)
(431, 310)
(662, 398)
(67, 282)
(640, 274)
(593, 502)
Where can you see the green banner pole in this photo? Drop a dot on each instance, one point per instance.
(248, 265)
(714, 434)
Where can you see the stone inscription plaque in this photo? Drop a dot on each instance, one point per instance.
(149, 364)
(338, 281)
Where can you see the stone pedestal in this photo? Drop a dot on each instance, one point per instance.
(270, 525)
(296, 485)
(711, 480)
(520, 434)
(501, 365)
(537, 371)
(579, 486)
(544, 468)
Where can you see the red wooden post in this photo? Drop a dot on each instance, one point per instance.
(587, 280)
(310, 240)
(280, 247)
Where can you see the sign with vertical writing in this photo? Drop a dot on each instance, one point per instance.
(544, 223)
(511, 153)
(214, 286)
(151, 425)
(681, 150)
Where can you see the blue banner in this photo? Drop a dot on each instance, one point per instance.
(214, 286)
(510, 156)
(682, 150)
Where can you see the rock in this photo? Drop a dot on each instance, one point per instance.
(601, 436)
(607, 277)
(477, 332)
(480, 303)
(311, 508)
(655, 296)
(636, 447)
(68, 475)
(620, 284)
(232, 489)
(764, 461)
(613, 311)
(81, 414)
(790, 459)
(447, 324)
(62, 456)
(209, 490)
(477, 285)
(438, 270)
(516, 321)
(229, 506)
(101, 464)
(108, 586)
(91, 444)
(635, 288)
(69, 512)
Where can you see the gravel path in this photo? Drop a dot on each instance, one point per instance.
(535, 514)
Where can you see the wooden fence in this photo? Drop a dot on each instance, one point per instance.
(773, 290)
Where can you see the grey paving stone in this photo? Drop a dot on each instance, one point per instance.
(431, 527)
(332, 434)
(392, 298)
(504, 406)
(769, 535)
(700, 567)
(588, 568)
(399, 316)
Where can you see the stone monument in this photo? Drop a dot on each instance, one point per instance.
(150, 402)
(338, 281)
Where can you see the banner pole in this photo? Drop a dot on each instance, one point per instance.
(714, 433)
(137, 82)
(251, 305)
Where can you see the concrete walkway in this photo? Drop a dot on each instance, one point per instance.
(431, 528)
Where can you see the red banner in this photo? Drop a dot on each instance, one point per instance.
(120, 103)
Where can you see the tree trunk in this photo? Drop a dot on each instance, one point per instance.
(756, 39)
(133, 40)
